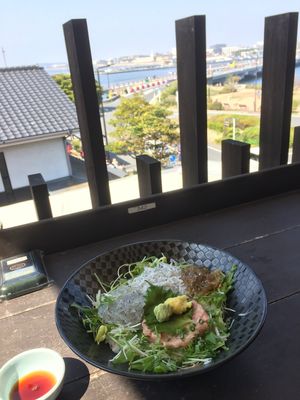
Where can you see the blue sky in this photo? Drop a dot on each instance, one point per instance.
(31, 30)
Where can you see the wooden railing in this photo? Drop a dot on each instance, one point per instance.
(197, 196)
(40, 196)
(149, 175)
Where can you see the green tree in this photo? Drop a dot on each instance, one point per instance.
(117, 147)
(65, 83)
(145, 128)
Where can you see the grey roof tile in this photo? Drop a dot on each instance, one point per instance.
(31, 104)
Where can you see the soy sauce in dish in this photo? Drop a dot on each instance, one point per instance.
(32, 386)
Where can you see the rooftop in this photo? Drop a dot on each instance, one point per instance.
(32, 104)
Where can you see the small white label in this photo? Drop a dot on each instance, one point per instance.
(142, 207)
(17, 260)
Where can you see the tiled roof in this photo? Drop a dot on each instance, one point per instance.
(32, 104)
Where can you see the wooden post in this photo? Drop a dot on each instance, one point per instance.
(83, 81)
(149, 175)
(296, 145)
(5, 176)
(280, 41)
(40, 196)
(235, 158)
(191, 75)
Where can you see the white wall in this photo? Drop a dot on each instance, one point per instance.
(47, 157)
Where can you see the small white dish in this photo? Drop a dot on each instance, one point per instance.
(41, 359)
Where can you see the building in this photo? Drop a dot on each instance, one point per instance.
(229, 51)
(217, 48)
(35, 118)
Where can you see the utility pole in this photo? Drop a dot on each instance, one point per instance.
(4, 58)
(227, 122)
(255, 84)
(233, 128)
(100, 99)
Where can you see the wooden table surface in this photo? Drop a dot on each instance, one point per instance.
(263, 234)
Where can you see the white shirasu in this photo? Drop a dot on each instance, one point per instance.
(126, 307)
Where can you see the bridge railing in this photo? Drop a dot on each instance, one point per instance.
(142, 85)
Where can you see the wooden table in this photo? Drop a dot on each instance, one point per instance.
(264, 234)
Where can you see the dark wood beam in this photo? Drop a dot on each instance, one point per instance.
(40, 196)
(5, 176)
(296, 145)
(191, 75)
(149, 175)
(83, 81)
(235, 158)
(280, 40)
(69, 231)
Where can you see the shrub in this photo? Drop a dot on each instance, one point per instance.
(228, 89)
(295, 105)
(247, 127)
(117, 147)
(171, 89)
(216, 105)
(169, 101)
(250, 135)
(168, 95)
(76, 143)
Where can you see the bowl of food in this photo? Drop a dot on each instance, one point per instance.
(161, 309)
(33, 374)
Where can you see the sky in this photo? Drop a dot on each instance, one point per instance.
(31, 30)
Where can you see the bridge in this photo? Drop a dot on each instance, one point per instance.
(247, 69)
(219, 75)
(216, 74)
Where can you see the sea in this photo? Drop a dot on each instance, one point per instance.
(258, 80)
(111, 79)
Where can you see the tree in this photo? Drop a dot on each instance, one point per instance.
(65, 83)
(145, 128)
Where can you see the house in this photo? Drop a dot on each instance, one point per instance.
(35, 119)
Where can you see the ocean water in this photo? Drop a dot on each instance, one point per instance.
(109, 80)
(259, 79)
